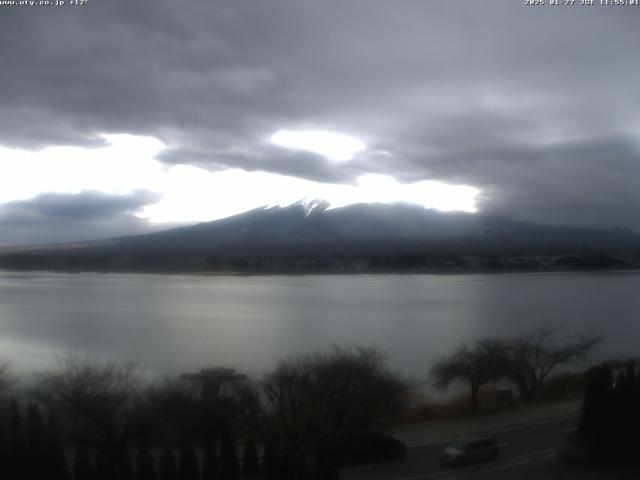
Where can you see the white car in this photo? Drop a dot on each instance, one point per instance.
(471, 449)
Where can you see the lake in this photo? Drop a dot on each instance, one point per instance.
(175, 323)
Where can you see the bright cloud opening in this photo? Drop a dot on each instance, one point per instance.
(334, 146)
(125, 165)
(190, 194)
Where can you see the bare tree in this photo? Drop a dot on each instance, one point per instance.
(483, 362)
(178, 408)
(311, 399)
(101, 398)
(534, 355)
(6, 378)
(354, 388)
(345, 389)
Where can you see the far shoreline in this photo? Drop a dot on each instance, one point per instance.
(319, 273)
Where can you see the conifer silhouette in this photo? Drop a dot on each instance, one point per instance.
(145, 465)
(229, 468)
(188, 464)
(210, 462)
(167, 469)
(250, 461)
(82, 466)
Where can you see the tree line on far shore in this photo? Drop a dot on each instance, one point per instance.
(86, 419)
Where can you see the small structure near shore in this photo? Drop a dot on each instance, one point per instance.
(504, 397)
(212, 381)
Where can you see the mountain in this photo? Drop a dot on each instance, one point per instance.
(311, 234)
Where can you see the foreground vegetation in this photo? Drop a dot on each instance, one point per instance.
(104, 420)
(609, 427)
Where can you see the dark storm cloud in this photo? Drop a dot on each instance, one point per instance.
(536, 106)
(269, 158)
(81, 206)
(51, 217)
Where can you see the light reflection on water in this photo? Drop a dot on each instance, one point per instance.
(174, 322)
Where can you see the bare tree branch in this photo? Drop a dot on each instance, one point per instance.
(311, 399)
(534, 355)
(484, 362)
(96, 396)
(6, 377)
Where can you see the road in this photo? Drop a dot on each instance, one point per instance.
(518, 445)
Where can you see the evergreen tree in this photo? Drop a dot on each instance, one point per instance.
(56, 462)
(595, 425)
(16, 430)
(627, 408)
(145, 465)
(82, 466)
(630, 373)
(635, 417)
(36, 442)
(229, 468)
(325, 465)
(270, 463)
(4, 447)
(618, 418)
(210, 462)
(287, 467)
(4, 451)
(250, 461)
(18, 466)
(35, 430)
(105, 467)
(125, 470)
(167, 470)
(188, 463)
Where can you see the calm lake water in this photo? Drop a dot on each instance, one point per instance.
(176, 323)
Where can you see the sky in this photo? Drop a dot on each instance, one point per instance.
(122, 117)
